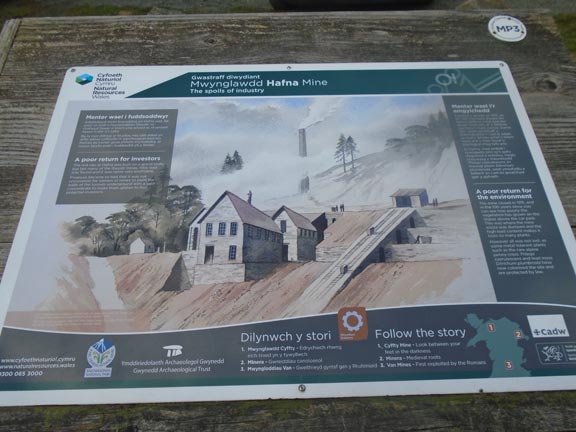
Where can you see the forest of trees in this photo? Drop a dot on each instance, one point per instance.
(232, 163)
(436, 132)
(424, 139)
(162, 216)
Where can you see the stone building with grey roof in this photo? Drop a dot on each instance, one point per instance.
(232, 241)
(300, 236)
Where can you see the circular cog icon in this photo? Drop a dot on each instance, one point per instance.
(348, 326)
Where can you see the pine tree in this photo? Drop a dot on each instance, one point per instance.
(232, 163)
(340, 154)
(351, 149)
(228, 166)
(237, 160)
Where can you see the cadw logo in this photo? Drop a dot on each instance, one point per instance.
(546, 326)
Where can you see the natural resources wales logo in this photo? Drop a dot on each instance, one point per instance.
(99, 356)
(84, 79)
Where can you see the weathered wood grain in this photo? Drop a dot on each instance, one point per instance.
(4, 250)
(14, 182)
(500, 412)
(42, 49)
(565, 181)
(23, 126)
(45, 48)
(6, 38)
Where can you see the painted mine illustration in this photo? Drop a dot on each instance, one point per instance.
(273, 208)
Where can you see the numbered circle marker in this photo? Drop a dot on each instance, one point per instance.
(507, 28)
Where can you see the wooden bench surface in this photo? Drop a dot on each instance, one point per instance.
(34, 54)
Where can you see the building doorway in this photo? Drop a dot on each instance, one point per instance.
(209, 255)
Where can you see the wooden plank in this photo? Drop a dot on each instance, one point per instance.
(565, 181)
(23, 126)
(497, 412)
(4, 250)
(14, 183)
(551, 115)
(6, 38)
(46, 47)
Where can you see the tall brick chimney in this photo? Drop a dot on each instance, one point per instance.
(302, 151)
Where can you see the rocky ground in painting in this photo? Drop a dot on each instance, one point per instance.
(152, 291)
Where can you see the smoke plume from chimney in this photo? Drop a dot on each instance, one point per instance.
(319, 110)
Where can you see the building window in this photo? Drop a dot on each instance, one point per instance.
(222, 228)
(232, 252)
(233, 228)
(258, 232)
(195, 239)
(208, 229)
(283, 226)
(249, 231)
(266, 235)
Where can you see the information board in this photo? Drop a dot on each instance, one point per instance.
(288, 231)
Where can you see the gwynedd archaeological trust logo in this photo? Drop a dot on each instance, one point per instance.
(99, 356)
(173, 350)
(84, 79)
